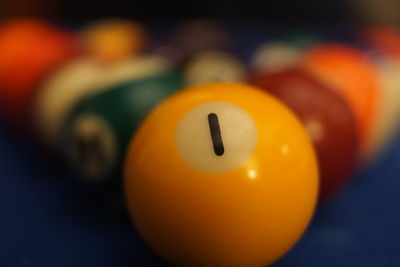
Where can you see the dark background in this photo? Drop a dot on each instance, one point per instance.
(278, 11)
(281, 11)
(270, 10)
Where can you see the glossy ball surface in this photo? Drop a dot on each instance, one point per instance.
(96, 133)
(327, 118)
(352, 75)
(221, 175)
(76, 80)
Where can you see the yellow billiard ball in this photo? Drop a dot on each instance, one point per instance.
(221, 175)
(110, 40)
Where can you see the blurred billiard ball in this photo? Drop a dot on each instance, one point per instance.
(77, 79)
(284, 52)
(327, 118)
(96, 133)
(214, 66)
(275, 56)
(29, 50)
(383, 48)
(110, 40)
(355, 77)
(384, 39)
(221, 175)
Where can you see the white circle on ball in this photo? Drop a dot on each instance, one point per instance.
(216, 137)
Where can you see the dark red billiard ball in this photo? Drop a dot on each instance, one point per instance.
(327, 118)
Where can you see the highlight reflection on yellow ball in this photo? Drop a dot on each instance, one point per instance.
(221, 175)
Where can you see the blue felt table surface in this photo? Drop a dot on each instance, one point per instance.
(47, 219)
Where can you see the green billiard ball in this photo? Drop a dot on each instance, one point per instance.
(97, 131)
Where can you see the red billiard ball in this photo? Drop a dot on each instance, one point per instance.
(327, 118)
(355, 77)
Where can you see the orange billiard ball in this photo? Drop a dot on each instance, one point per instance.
(221, 174)
(354, 77)
(29, 49)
